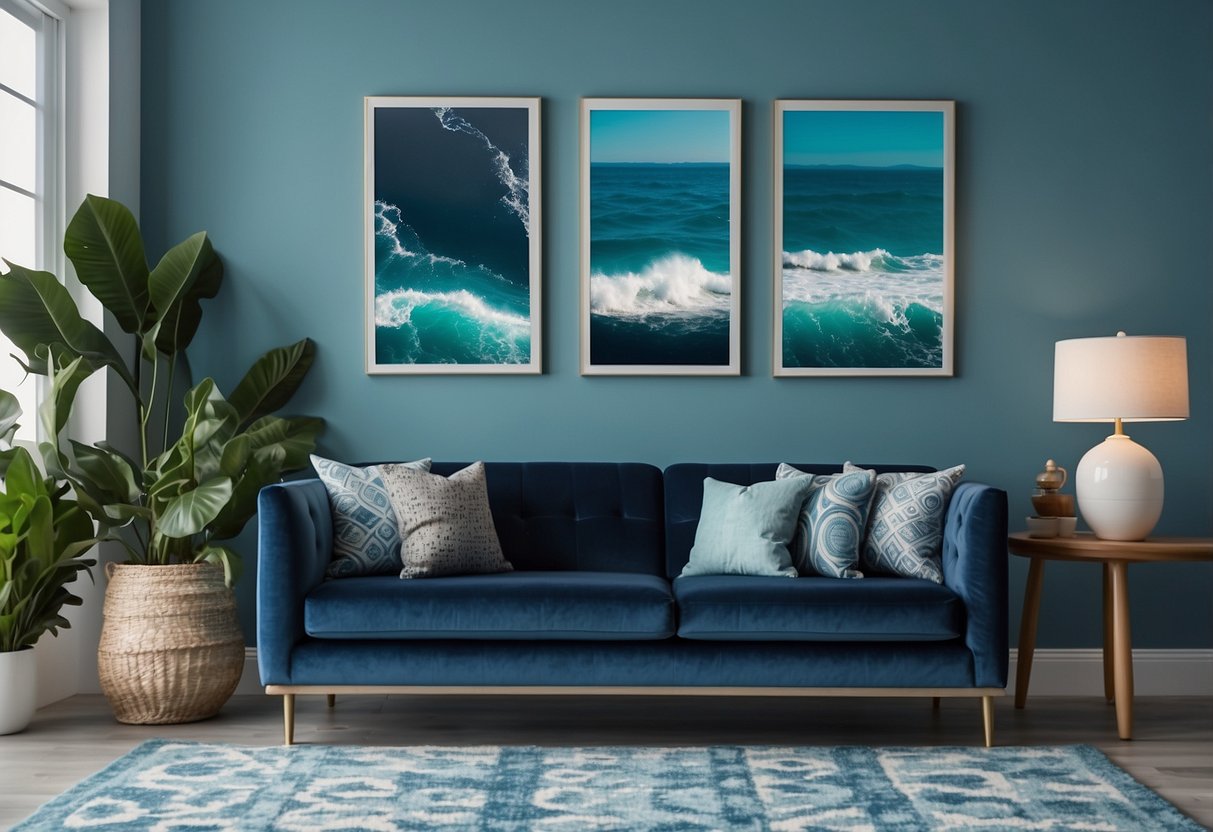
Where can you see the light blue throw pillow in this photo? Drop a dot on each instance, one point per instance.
(746, 529)
(905, 530)
(366, 534)
(829, 529)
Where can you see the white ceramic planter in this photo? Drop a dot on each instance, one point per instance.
(18, 684)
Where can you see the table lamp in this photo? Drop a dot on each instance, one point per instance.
(1140, 378)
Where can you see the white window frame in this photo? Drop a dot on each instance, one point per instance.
(48, 18)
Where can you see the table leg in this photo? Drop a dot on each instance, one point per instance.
(1122, 648)
(1027, 631)
(1109, 658)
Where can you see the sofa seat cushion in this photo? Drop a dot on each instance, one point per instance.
(523, 605)
(744, 608)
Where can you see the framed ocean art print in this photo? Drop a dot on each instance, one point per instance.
(660, 236)
(864, 195)
(452, 240)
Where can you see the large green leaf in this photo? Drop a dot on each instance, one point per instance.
(66, 376)
(104, 245)
(177, 271)
(262, 470)
(179, 323)
(23, 476)
(10, 412)
(36, 310)
(112, 478)
(272, 380)
(296, 435)
(223, 556)
(191, 512)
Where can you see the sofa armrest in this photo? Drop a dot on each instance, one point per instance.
(294, 546)
(975, 568)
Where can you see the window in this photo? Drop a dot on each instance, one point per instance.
(30, 153)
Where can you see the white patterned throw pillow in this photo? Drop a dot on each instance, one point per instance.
(366, 534)
(445, 522)
(905, 529)
(829, 529)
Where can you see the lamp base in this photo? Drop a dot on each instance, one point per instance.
(1120, 489)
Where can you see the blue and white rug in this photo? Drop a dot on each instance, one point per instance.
(167, 786)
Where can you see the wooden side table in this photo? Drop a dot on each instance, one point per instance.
(1115, 555)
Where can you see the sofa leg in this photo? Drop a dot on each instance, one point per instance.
(936, 701)
(288, 718)
(332, 699)
(987, 717)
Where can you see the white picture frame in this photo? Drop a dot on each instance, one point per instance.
(660, 278)
(453, 235)
(864, 260)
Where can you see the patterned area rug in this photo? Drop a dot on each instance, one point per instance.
(198, 786)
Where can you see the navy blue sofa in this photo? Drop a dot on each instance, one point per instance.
(595, 605)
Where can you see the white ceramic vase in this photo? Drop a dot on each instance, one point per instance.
(18, 685)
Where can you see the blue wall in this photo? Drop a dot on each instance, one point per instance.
(1084, 205)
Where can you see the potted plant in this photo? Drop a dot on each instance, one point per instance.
(43, 536)
(171, 649)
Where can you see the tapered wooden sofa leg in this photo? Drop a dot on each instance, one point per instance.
(987, 717)
(288, 718)
(936, 701)
(332, 700)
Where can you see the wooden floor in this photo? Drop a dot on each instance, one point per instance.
(1173, 751)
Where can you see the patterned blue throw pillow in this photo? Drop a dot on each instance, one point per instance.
(366, 534)
(905, 530)
(829, 530)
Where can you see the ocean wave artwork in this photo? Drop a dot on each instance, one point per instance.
(660, 282)
(863, 273)
(453, 249)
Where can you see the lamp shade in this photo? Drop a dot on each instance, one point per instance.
(1139, 378)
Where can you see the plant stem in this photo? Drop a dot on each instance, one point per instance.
(168, 396)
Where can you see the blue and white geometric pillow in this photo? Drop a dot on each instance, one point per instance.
(905, 530)
(829, 529)
(366, 534)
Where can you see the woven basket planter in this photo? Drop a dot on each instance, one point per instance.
(171, 647)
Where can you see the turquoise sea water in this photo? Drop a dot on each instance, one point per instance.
(452, 229)
(863, 267)
(660, 287)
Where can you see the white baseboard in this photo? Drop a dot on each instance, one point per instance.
(1054, 673)
(1155, 672)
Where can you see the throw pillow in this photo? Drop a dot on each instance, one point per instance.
(445, 522)
(746, 529)
(366, 535)
(905, 530)
(829, 528)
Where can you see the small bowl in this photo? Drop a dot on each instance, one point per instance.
(1042, 527)
(1066, 526)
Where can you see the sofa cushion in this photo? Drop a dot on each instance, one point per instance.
(829, 530)
(731, 608)
(446, 526)
(746, 529)
(587, 606)
(905, 527)
(366, 537)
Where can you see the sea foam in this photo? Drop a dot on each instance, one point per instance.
(395, 308)
(517, 197)
(883, 283)
(673, 285)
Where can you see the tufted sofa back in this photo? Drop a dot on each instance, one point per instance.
(589, 516)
